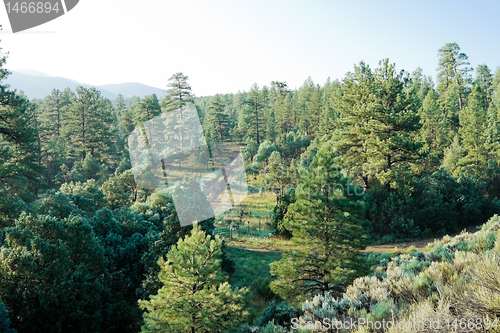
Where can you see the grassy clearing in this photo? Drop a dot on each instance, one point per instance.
(259, 207)
(261, 243)
(252, 271)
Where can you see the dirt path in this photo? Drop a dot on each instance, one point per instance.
(419, 244)
(385, 248)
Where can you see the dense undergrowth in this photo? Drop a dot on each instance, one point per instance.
(453, 285)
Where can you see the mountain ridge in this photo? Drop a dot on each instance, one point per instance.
(36, 84)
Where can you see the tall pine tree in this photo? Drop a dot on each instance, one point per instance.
(323, 221)
(377, 123)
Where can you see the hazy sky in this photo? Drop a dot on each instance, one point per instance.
(226, 46)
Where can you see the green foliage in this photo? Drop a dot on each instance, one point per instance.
(88, 124)
(53, 276)
(125, 240)
(279, 313)
(276, 175)
(87, 196)
(323, 221)
(377, 123)
(146, 109)
(438, 203)
(434, 132)
(115, 191)
(4, 320)
(19, 151)
(291, 144)
(279, 212)
(266, 148)
(453, 77)
(217, 120)
(194, 295)
(254, 125)
(179, 92)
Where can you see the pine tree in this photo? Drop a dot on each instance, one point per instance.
(283, 115)
(146, 109)
(179, 91)
(434, 132)
(55, 105)
(254, 116)
(119, 104)
(217, 120)
(52, 144)
(420, 86)
(473, 126)
(194, 297)
(19, 150)
(377, 123)
(452, 70)
(484, 79)
(314, 108)
(277, 178)
(452, 157)
(331, 90)
(126, 122)
(88, 124)
(53, 276)
(179, 95)
(323, 221)
(303, 98)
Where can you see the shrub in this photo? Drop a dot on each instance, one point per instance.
(279, 313)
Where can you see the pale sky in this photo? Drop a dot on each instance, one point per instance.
(226, 46)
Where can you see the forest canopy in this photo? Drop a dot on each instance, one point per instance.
(379, 156)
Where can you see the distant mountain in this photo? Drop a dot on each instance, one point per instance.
(32, 72)
(131, 89)
(36, 84)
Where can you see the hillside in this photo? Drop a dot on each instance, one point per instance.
(36, 84)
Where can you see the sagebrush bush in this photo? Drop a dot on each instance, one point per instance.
(371, 287)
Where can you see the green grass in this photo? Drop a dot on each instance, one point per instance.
(262, 243)
(259, 206)
(252, 270)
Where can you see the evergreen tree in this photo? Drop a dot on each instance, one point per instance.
(434, 132)
(451, 70)
(473, 126)
(303, 98)
(194, 297)
(53, 145)
(126, 122)
(277, 178)
(324, 224)
(19, 150)
(484, 79)
(53, 276)
(283, 114)
(146, 109)
(314, 108)
(328, 115)
(420, 86)
(452, 157)
(254, 115)
(4, 320)
(179, 92)
(119, 104)
(179, 95)
(88, 124)
(217, 120)
(55, 105)
(377, 124)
